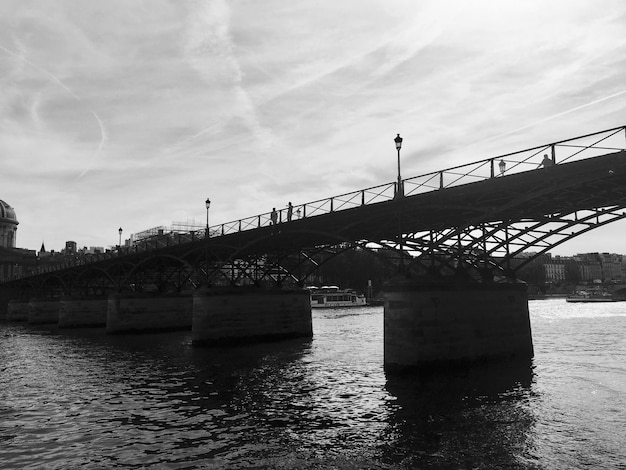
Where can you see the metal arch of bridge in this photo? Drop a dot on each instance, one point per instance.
(564, 151)
(496, 248)
(540, 209)
(478, 218)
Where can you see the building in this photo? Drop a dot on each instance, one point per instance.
(8, 225)
(601, 266)
(13, 261)
(555, 269)
(70, 248)
(611, 266)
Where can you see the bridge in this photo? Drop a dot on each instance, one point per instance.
(471, 221)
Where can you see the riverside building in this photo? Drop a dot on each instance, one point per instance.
(13, 261)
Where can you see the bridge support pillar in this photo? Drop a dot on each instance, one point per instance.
(43, 311)
(17, 310)
(447, 323)
(7, 295)
(226, 316)
(80, 312)
(148, 312)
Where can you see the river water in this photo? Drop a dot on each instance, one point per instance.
(81, 399)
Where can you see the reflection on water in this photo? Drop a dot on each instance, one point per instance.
(80, 398)
(461, 418)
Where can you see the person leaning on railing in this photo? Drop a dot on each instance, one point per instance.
(546, 162)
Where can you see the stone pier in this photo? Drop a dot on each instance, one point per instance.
(81, 312)
(17, 310)
(225, 316)
(43, 311)
(148, 312)
(445, 323)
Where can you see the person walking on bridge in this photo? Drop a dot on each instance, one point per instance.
(289, 212)
(546, 162)
(274, 216)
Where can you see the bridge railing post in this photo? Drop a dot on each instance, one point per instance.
(331, 204)
(362, 197)
(441, 180)
(491, 163)
(553, 150)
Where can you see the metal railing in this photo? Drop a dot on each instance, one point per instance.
(577, 148)
(564, 151)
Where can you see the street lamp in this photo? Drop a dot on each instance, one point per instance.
(208, 204)
(400, 190)
(120, 232)
(502, 166)
(399, 194)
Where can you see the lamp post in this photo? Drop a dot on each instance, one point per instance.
(502, 166)
(207, 204)
(400, 189)
(120, 232)
(400, 194)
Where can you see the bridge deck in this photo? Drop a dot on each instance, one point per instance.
(586, 184)
(529, 195)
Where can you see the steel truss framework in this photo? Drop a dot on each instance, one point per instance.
(161, 272)
(483, 252)
(495, 249)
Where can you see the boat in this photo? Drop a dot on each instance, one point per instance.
(334, 297)
(594, 296)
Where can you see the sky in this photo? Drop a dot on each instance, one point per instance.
(131, 113)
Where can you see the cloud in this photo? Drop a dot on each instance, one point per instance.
(210, 51)
(135, 111)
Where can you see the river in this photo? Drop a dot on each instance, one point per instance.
(82, 399)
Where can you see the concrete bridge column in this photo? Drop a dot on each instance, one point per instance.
(43, 311)
(7, 295)
(17, 310)
(241, 314)
(148, 312)
(83, 311)
(438, 324)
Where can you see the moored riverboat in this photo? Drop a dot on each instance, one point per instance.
(334, 297)
(585, 296)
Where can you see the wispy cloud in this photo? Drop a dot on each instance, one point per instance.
(38, 98)
(211, 52)
(132, 113)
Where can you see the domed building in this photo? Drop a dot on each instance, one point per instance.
(8, 225)
(13, 261)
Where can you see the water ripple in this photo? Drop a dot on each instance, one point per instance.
(81, 398)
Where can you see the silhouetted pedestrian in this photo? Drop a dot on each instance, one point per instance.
(274, 216)
(289, 212)
(546, 162)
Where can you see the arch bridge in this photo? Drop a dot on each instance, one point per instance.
(472, 220)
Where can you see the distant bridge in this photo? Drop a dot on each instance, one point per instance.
(472, 220)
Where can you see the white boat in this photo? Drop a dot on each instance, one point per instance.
(333, 297)
(594, 296)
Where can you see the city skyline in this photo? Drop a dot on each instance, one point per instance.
(131, 114)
